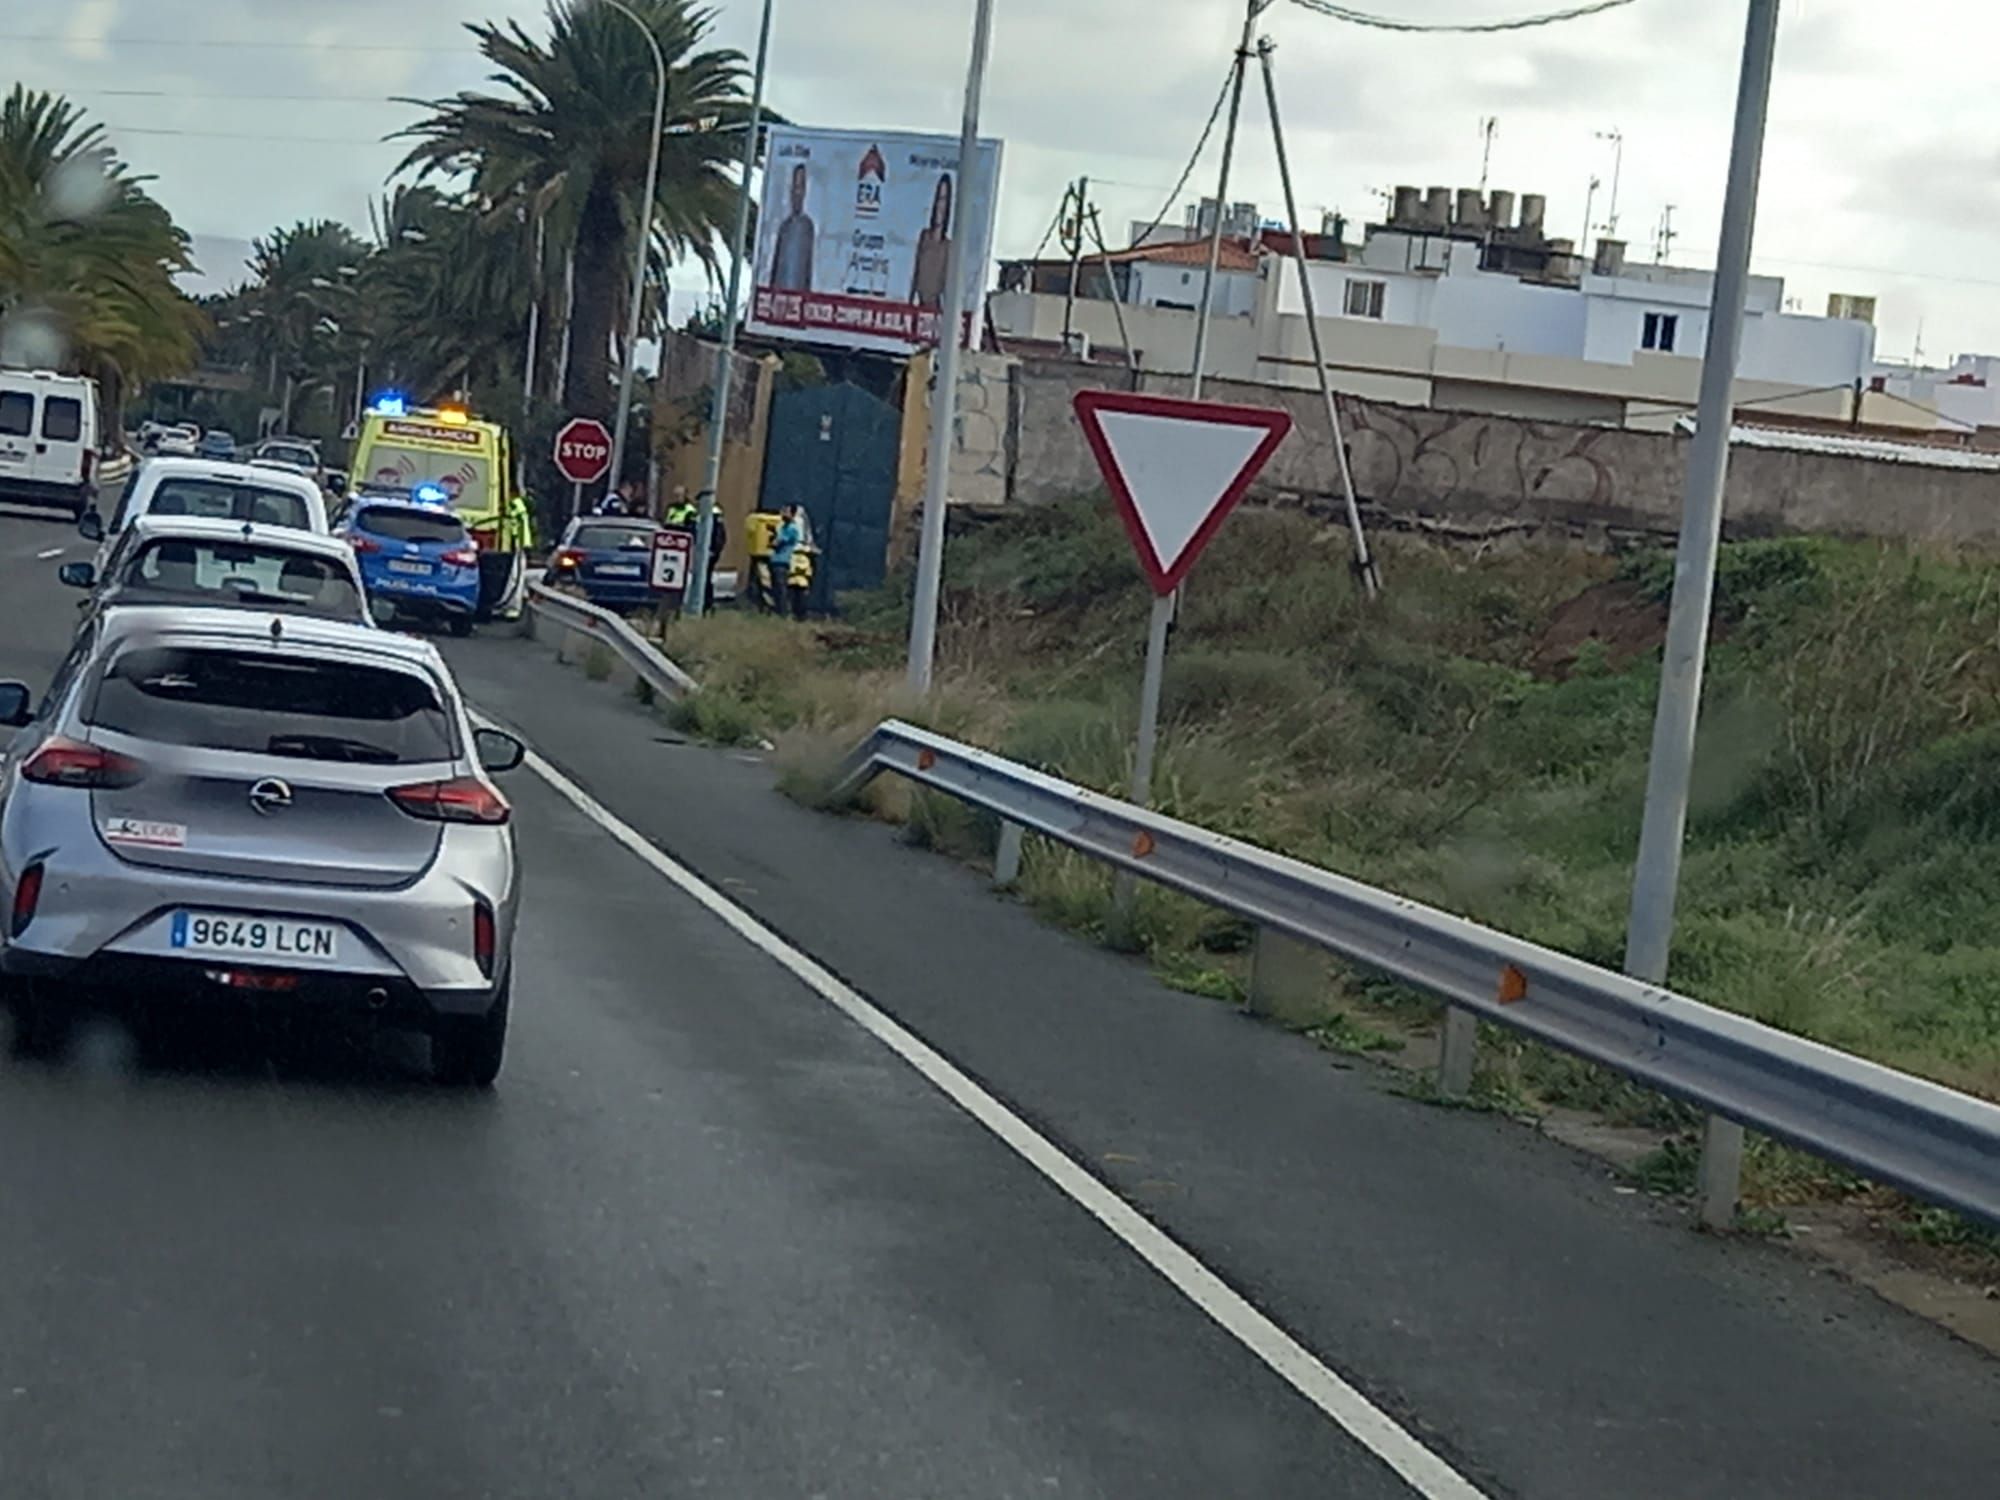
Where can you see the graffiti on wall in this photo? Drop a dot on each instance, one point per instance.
(979, 449)
(1462, 461)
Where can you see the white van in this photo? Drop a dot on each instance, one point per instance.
(48, 439)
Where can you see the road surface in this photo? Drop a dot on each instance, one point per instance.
(709, 1236)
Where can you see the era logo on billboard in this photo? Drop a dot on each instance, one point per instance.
(868, 184)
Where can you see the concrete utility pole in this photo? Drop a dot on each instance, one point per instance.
(944, 384)
(1656, 877)
(725, 354)
(1251, 10)
(623, 423)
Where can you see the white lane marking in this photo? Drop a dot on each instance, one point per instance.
(52, 552)
(1426, 1473)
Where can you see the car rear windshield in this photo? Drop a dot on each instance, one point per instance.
(62, 419)
(245, 573)
(17, 414)
(225, 500)
(612, 538)
(410, 523)
(303, 458)
(268, 704)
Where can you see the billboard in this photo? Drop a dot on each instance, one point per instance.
(855, 228)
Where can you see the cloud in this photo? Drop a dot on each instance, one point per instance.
(89, 29)
(1880, 151)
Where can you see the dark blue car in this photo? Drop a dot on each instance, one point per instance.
(610, 558)
(416, 559)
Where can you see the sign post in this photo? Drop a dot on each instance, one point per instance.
(673, 559)
(583, 455)
(1175, 469)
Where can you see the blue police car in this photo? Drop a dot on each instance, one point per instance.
(417, 562)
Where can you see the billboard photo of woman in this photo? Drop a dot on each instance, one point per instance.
(933, 250)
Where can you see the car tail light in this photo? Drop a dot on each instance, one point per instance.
(261, 980)
(483, 937)
(565, 558)
(65, 762)
(364, 543)
(27, 896)
(463, 557)
(463, 799)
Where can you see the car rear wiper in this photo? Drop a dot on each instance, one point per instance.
(330, 747)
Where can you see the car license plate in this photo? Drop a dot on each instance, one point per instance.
(619, 570)
(227, 935)
(418, 569)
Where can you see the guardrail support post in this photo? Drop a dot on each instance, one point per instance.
(1286, 976)
(1007, 858)
(1460, 1051)
(1721, 1172)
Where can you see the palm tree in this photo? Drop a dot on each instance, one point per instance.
(568, 141)
(448, 290)
(303, 307)
(87, 257)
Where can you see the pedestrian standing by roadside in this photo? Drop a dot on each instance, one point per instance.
(784, 548)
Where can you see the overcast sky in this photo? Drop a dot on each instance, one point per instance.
(1881, 175)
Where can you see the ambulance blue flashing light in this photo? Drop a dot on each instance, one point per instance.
(390, 404)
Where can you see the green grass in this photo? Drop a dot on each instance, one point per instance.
(1476, 739)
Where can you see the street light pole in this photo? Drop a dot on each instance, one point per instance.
(624, 420)
(944, 368)
(725, 354)
(1656, 875)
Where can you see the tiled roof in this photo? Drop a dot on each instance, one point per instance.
(1188, 253)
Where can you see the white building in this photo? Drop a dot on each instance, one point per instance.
(1473, 309)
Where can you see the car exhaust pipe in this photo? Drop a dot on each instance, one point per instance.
(378, 998)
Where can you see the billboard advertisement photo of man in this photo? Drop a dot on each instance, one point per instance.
(855, 235)
(792, 257)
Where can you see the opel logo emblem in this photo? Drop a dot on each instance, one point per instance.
(270, 795)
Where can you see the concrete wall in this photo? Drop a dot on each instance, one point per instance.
(980, 443)
(1478, 470)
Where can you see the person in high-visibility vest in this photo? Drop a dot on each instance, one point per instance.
(792, 553)
(761, 531)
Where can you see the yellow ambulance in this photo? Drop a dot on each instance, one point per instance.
(402, 446)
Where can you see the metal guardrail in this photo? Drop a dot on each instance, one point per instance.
(580, 617)
(1931, 1141)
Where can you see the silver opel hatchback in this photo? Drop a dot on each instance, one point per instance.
(219, 803)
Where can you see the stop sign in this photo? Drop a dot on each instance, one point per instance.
(583, 450)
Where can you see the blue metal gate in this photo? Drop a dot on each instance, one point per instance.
(832, 450)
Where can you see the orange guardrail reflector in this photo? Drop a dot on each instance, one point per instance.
(1513, 985)
(926, 759)
(1142, 844)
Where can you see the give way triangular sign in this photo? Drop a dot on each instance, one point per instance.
(1176, 468)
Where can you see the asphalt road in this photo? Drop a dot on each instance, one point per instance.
(1507, 1299)
(708, 1237)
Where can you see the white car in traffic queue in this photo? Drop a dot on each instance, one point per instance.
(227, 805)
(196, 562)
(211, 488)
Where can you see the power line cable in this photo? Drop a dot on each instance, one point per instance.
(1214, 114)
(234, 43)
(1338, 12)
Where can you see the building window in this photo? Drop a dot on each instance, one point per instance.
(1364, 298)
(1660, 331)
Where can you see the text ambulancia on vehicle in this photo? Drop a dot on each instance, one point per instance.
(402, 447)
